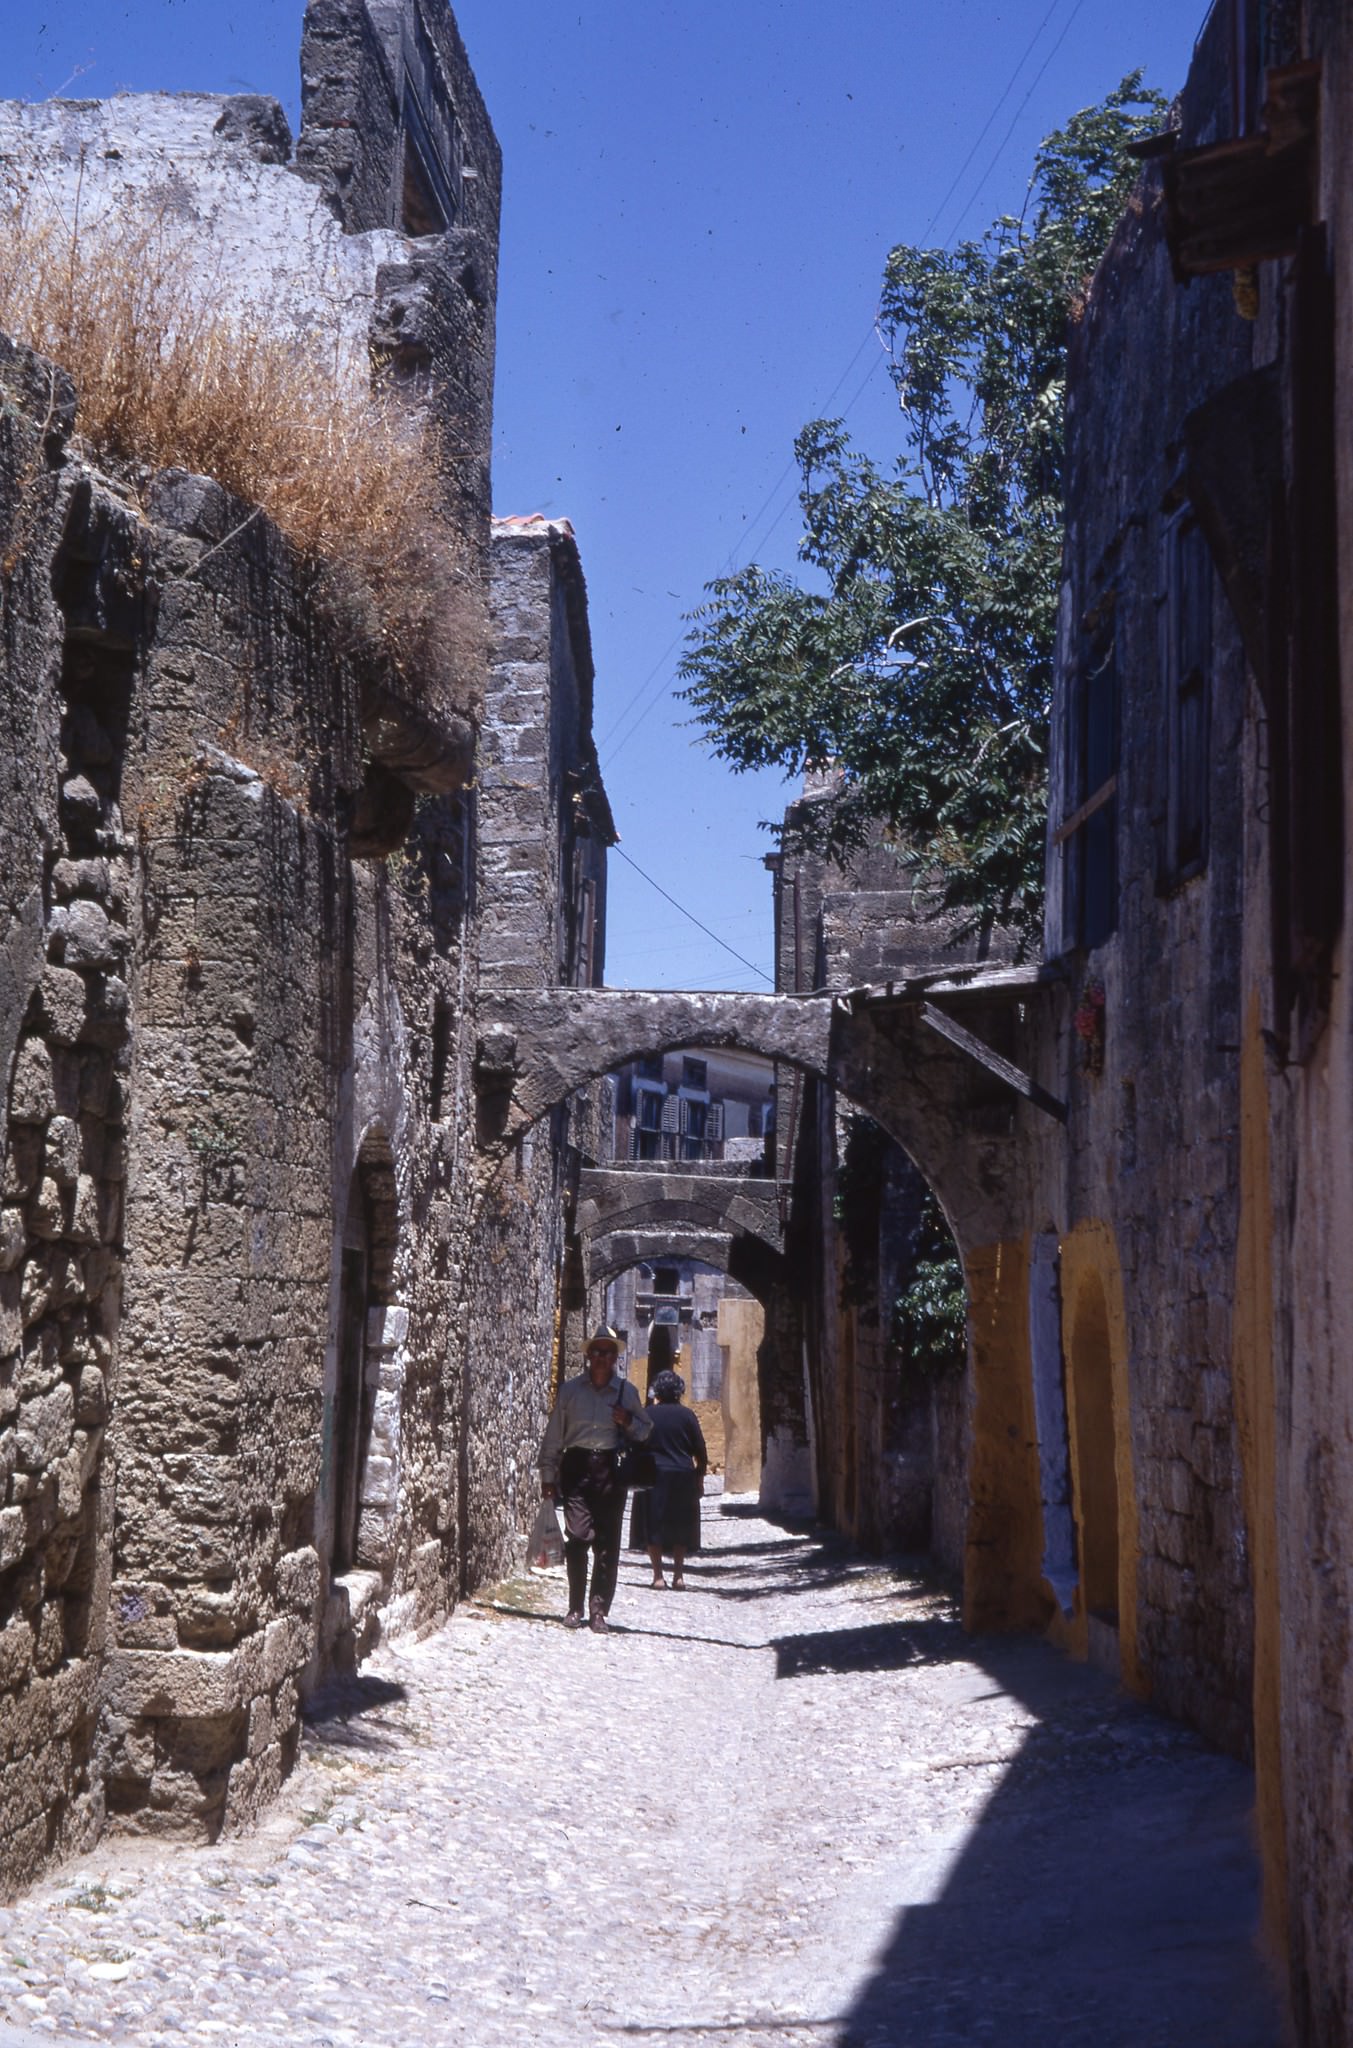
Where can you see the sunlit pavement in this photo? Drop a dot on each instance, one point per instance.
(792, 1804)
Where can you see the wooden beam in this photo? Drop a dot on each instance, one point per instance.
(978, 1050)
(1087, 810)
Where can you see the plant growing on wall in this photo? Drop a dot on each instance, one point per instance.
(168, 373)
(929, 1329)
(919, 661)
(928, 1321)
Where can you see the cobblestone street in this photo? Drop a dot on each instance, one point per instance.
(793, 1804)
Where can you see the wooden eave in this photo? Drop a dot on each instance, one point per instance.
(1229, 205)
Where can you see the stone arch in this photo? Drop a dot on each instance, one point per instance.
(938, 1067)
(754, 1264)
(614, 1252)
(745, 1333)
(624, 1198)
(538, 1046)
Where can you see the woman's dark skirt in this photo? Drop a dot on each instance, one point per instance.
(674, 1511)
(639, 1519)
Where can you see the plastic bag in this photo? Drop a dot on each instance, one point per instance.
(546, 1544)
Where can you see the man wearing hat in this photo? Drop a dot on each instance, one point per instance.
(595, 1414)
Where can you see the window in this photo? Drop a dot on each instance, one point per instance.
(1089, 834)
(694, 1119)
(648, 1124)
(649, 1109)
(1186, 645)
(648, 1066)
(694, 1073)
(665, 1280)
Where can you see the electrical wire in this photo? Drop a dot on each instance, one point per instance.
(986, 127)
(645, 698)
(627, 726)
(742, 957)
(610, 738)
(1015, 119)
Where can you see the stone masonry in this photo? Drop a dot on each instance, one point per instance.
(256, 1407)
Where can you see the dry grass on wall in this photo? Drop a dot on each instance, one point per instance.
(168, 377)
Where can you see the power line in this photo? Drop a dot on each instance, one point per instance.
(635, 712)
(1000, 147)
(985, 129)
(982, 134)
(742, 957)
(627, 725)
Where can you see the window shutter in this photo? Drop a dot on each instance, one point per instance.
(672, 1113)
(685, 1111)
(714, 1121)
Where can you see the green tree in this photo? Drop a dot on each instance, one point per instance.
(923, 669)
(929, 1325)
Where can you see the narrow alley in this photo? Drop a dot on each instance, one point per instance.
(793, 1804)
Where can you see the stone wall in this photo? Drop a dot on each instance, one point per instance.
(1294, 1321)
(65, 1023)
(543, 827)
(1163, 1185)
(258, 1397)
(322, 245)
(1194, 1224)
(285, 1328)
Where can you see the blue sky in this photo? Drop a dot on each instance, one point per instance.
(698, 202)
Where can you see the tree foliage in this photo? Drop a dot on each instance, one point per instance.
(921, 666)
(929, 1325)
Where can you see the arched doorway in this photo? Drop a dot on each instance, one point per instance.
(1094, 1452)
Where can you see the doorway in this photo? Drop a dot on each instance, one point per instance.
(1094, 1452)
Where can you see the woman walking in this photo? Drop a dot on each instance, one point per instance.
(679, 1454)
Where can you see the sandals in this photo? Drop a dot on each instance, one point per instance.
(658, 1585)
(678, 1584)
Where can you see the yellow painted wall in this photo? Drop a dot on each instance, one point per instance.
(1092, 1289)
(1002, 1578)
(741, 1328)
(1253, 1388)
(709, 1414)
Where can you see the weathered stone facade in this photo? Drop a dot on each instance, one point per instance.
(258, 1398)
(543, 829)
(1159, 1290)
(304, 1038)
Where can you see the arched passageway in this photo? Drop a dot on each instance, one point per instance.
(935, 1065)
(673, 1304)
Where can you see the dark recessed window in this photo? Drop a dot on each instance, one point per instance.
(649, 1117)
(694, 1073)
(1186, 649)
(1088, 833)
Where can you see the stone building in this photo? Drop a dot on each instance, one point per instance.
(889, 1442)
(1159, 1292)
(701, 1111)
(258, 1394)
(1198, 885)
(708, 1104)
